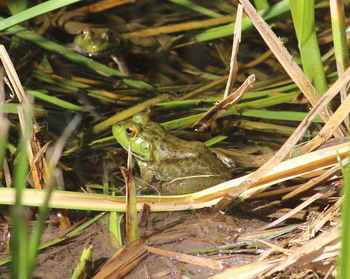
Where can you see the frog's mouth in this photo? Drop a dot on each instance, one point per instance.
(92, 53)
(139, 157)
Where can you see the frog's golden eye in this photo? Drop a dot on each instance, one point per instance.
(131, 131)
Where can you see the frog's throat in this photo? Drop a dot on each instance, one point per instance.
(137, 155)
(92, 53)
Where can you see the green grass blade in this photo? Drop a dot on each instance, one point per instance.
(19, 244)
(125, 114)
(11, 108)
(261, 4)
(58, 240)
(84, 265)
(339, 35)
(115, 219)
(4, 128)
(16, 6)
(277, 10)
(343, 261)
(236, 110)
(197, 8)
(33, 12)
(19, 241)
(54, 100)
(267, 127)
(215, 140)
(279, 115)
(303, 15)
(34, 239)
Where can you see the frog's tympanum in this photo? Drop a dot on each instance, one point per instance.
(169, 164)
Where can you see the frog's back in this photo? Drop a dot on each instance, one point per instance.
(189, 168)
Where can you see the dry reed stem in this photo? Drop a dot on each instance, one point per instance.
(247, 271)
(7, 173)
(316, 224)
(12, 75)
(19, 91)
(235, 45)
(155, 31)
(203, 88)
(313, 182)
(103, 5)
(324, 246)
(127, 113)
(261, 58)
(256, 235)
(125, 260)
(330, 126)
(181, 257)
(33, 167)
(274, 247)
(218, 109)
(301, 206)
(4, 128)
(278, 191)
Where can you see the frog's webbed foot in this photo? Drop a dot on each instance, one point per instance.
(145, 188)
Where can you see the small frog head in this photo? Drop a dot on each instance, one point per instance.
(134, 134)
(95, 42)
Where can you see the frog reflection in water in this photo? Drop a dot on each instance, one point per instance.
(170, 164)
(99, 42)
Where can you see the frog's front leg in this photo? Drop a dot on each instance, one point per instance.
(118, 56)
(120, 61)
(144, 183)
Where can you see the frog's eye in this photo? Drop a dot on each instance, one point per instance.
(145, 146)
(130, 131)
(85, 34)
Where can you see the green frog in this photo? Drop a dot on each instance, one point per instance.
(95, 42)
(168, 163)
(98, 42)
